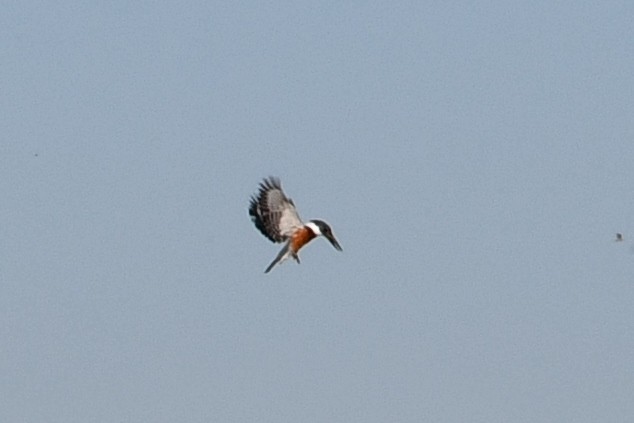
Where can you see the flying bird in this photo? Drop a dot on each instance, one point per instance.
(275, 215)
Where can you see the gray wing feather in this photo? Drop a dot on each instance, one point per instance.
(273, 213)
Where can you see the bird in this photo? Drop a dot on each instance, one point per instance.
(275, 216)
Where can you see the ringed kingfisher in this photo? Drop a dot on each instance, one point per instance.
(275, 215)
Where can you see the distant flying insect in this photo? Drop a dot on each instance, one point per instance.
(619, 237)
(276, 217)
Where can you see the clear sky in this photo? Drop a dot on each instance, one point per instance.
(475, 160)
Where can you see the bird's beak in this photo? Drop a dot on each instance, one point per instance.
(334, 242)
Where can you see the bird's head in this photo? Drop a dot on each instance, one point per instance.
(319, 227)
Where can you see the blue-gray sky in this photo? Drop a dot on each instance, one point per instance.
(474, 159)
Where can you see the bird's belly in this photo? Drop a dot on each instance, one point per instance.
(300, 238)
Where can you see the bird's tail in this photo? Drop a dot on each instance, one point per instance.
(282, 255)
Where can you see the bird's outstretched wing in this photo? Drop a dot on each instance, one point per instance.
(272, 212)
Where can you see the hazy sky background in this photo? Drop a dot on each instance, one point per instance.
(474, 159)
